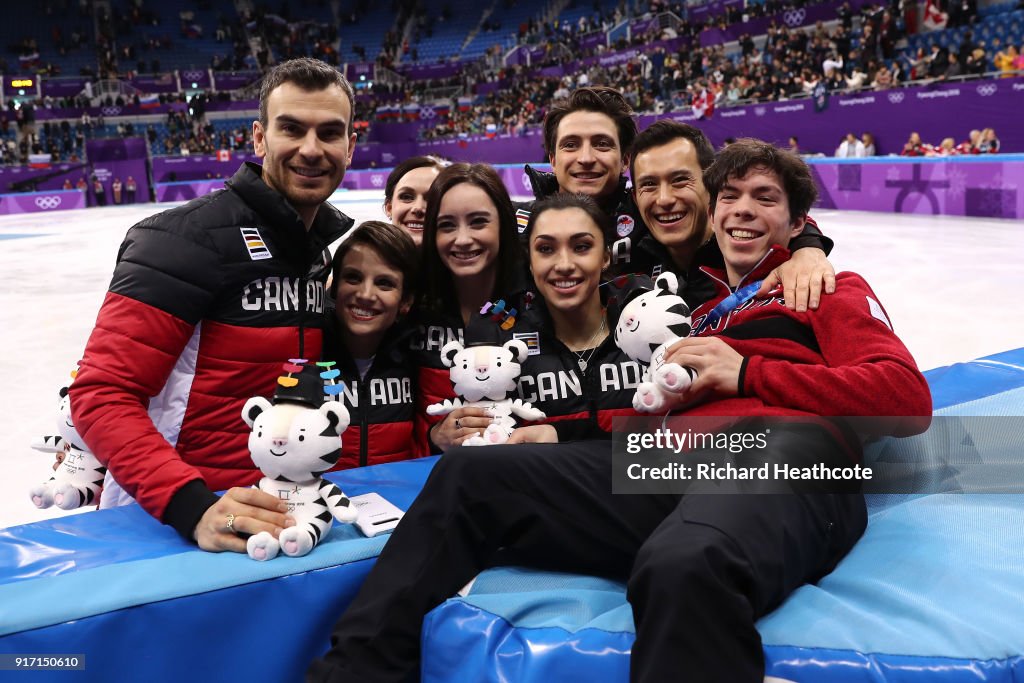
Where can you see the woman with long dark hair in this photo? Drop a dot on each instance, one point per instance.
(471, 256)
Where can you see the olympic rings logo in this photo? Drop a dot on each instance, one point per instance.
(192, 75)
(987, 89)
(895, 97)
(760, 111)
(111, 111)
(377, 180)
(47, 203)
(794, 17)
(427, 113)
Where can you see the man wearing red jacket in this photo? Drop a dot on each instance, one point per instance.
(207, 301)
(700, 569)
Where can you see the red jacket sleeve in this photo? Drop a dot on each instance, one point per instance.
(162, 285)
(867, 371)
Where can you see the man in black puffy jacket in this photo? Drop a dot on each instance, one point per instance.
(206, 303)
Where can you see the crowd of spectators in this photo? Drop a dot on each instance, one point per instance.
(281, 35)
(855, 52)
(858, 51)
(186, 136)
(22, 137)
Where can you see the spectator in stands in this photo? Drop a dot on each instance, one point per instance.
(405, 194)
(953, 69)
(850, 147)
(883, 78)
(970, 145)
(938, 62)
(989, 143)
(962, 12)
(914, 147)
(187, 282)
(98, 191)
(977, 63)
(1006, 61)
(946, 148)
(869, 144)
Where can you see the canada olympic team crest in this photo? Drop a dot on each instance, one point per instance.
(624, 225)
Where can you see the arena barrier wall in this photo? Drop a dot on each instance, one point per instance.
(932, 593)
(981, 186)
(34, 202)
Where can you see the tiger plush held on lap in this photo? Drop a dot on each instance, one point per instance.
(652, 317)
(79, 477)
(294, 441)
(483, 374)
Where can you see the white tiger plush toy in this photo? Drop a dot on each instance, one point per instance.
(79, 477)
(483, 376)
(294, 440)
(651, 320)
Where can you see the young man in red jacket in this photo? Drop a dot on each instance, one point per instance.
(700, 569)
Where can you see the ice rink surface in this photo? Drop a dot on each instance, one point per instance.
(949, 284)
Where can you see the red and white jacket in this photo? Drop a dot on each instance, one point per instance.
(206, 302)
(841, 360)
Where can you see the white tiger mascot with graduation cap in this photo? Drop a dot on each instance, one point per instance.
(295, 440)
(483, 374)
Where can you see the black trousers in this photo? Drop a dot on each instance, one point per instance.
(701, 568)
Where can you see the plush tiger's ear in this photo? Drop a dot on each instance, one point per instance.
(518, 348)
(338, 417)
(667, 283)
(449, 351)
(253, 408)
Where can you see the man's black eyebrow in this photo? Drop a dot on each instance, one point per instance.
(759, 188)
(285, 118)
(671, 174)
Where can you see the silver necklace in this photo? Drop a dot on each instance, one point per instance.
(580, 360)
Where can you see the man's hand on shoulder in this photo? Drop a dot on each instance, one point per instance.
(250, 511)
(803, 277)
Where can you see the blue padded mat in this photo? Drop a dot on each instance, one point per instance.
(139, 603)
(934, 591)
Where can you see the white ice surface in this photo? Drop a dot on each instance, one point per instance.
(950, 286)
